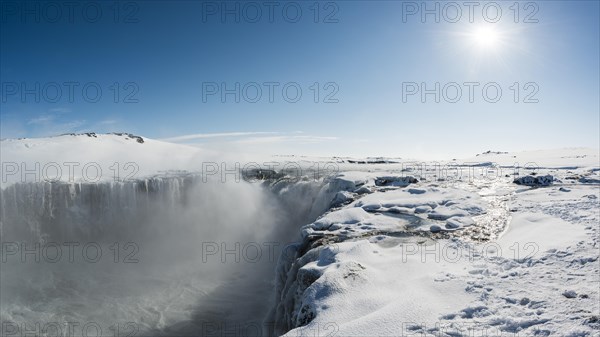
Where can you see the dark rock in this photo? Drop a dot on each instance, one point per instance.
(435, 229)
(362, 190)
(535, 181)
(524, 301)
(395, 181)
(585, 180)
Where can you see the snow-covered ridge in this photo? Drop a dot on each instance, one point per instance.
(92, 158)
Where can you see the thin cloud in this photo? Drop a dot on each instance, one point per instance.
(280, 139)
(185, 138)
(43, 119)
(60, 110)
(53, 123)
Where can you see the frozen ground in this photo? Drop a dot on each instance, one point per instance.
(385, 246)
(452, 257)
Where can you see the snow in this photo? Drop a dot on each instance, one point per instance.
(386, 247)
(376, 297)
(535, 272)
(545, 232)
(148, 158)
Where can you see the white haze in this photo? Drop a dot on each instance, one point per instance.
(171, 289)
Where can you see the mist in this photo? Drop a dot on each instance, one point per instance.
(174, 255)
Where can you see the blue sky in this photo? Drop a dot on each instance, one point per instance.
(156, 63)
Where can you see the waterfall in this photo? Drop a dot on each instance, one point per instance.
(162, 225)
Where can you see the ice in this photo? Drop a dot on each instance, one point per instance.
(375, 248)
(375, 282)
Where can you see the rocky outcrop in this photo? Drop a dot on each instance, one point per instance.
(535, 181)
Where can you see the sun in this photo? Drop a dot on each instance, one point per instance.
(488, 45)
(486, 38)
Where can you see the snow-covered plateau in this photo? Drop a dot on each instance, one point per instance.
(115, 234)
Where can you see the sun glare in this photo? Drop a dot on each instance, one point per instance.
(486, 38)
